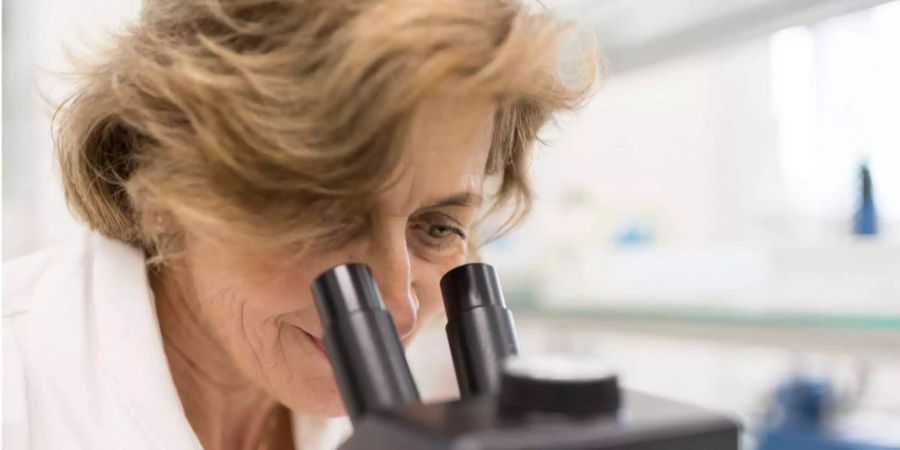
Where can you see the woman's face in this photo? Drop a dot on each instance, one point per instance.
(262, 313)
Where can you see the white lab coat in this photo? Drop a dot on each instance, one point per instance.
(83, 360)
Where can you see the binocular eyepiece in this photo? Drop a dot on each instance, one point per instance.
(360, 337)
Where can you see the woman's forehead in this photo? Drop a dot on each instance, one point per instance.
(444, 156)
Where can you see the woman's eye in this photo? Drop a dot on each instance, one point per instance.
(440, 231)
(437, 234)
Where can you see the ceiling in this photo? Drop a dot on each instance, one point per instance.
(633, 33)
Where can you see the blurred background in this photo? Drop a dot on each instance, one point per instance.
(721, 222)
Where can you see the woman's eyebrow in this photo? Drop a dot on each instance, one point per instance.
(460, 199)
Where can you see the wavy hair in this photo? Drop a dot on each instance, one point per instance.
(275, 121)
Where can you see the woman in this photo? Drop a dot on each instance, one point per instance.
(225, 153)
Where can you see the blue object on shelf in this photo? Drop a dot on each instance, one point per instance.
(799, 420)
(865, 223)
(633, 233)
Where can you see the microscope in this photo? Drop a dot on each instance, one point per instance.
(507, 401)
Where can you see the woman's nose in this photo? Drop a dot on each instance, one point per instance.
(393, 273)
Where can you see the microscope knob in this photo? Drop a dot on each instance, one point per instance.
(558, 384)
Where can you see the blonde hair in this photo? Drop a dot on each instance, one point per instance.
(276, 120)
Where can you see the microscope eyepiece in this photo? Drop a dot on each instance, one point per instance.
(362, 343)
(480, 330)
(471, 286)
(346, 289)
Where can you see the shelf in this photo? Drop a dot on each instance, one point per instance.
(719, 317)
(857, 336)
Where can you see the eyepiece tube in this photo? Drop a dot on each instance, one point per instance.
(362, 342)
(480, 330)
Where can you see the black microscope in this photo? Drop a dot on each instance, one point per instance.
(507, 401)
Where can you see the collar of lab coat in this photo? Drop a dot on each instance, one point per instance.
(135, 361)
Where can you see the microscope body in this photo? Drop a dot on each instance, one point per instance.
(644, 423)
(530, 405)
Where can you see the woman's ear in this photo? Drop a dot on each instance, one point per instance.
(161, 233)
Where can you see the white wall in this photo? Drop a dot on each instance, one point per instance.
(741, 164)
(758, 140)
(34, 35)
